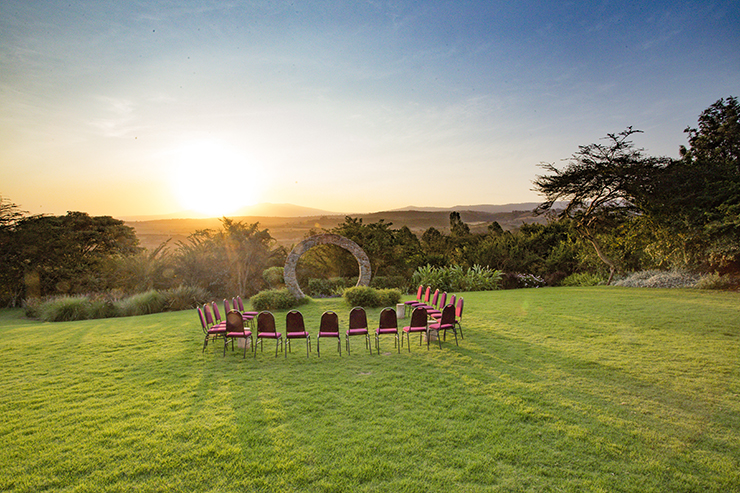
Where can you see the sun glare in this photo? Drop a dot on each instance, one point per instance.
(214, 179)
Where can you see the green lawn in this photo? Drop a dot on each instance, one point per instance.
(560, 389)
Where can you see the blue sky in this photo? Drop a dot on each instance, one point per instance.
(135, 108)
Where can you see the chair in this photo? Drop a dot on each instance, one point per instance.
(423, 301)
(296, 329)
(329, 327)
(266, 330)
(418, 324)
(247, 316)
(235, 330)
(388, 325)
(435, 311)
(211, 321)
(210, 331)
(458, 316)
(416, 301)
(435, 300)
(216, 313)
(357, 327)
(447, 322)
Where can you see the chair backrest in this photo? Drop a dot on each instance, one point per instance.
(202, 318)
(216, 313)
(208, 314)
(442, 300)
(358, 318)
(234, 321)
(239, 303)
(228, 306)
(419, 292)
(418, 317)
(329, 322)
(459, 310)
(427, 293)
(448, 315)
(388, 319)
(265, 322)
(435, 298)
(452, 299)
(294, 322)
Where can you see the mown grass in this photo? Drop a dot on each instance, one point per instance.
(558, 389)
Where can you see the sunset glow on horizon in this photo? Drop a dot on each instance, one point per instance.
(132, 109)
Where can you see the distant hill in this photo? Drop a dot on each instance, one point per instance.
(522, 206)
(289, 230)
(262, 210)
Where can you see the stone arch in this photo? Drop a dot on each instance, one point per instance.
(292, 261)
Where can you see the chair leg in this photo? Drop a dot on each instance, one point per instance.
(398, 344)
(308, 345)
(318, 347)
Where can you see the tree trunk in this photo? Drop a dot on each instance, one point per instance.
(604, 258)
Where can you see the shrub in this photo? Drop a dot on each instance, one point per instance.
(389, 282)
(275, 299)
(659, 279)
(370, 297)
(151, 301)
(718, 281)
(274, 277)
(320, 287)
(389, 297)
(583, 279)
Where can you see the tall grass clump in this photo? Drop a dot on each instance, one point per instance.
(370, 297)
(455, 278)
(151, 301)
(62, 309)
(184, 297)
(276, 299)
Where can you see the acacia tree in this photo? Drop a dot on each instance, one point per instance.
(603, 184)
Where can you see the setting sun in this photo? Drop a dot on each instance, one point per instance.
(214, 179)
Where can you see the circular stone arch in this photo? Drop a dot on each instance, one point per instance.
(326, 239)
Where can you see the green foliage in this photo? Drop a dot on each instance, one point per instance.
(583, 279)
(276, 299)
(273, 277)
(49, 255)
(370, 297)
(457, 279)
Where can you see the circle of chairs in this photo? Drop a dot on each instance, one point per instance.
(253, 328)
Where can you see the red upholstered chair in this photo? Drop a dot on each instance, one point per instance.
(388, 326)
(235, 330)
(458, 316)
(424, 301)
(418, 324)
(210, 331)
(266, 330)
(247, 316)
(216, 313)
(447, 322)
(357, 327)
(329, 327)
(419, 293)
(436, 310)
(295, 328)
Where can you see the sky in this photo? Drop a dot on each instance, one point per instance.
(133, 108)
